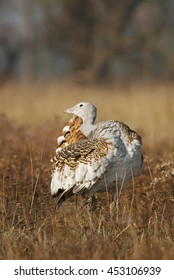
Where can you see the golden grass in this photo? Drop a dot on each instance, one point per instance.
(142, 226)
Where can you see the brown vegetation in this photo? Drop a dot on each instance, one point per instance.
(141, 226)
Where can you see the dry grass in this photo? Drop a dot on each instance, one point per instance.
(142, 226)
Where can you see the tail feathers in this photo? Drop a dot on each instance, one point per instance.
(71, 133)
(63, 196)
(60, 191)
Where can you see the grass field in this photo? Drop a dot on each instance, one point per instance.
(141, 226)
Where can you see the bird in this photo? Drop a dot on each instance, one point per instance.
(104, 159)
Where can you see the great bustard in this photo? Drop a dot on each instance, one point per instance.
(104, 159)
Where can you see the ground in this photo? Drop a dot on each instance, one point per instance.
(142, 224)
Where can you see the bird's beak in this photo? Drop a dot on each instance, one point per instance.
(69, 110)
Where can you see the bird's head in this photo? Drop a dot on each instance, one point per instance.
(84, 110)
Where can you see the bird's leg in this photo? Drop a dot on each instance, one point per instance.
(92, 202)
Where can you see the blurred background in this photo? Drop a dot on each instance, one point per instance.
(86, 41)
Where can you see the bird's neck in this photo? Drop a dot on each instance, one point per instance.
(87, 119)
(87, 128)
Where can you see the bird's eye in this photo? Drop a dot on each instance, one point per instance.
(81, 105)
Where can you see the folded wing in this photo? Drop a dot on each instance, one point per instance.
(79, 166)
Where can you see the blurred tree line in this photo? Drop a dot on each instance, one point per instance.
(89, 40)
